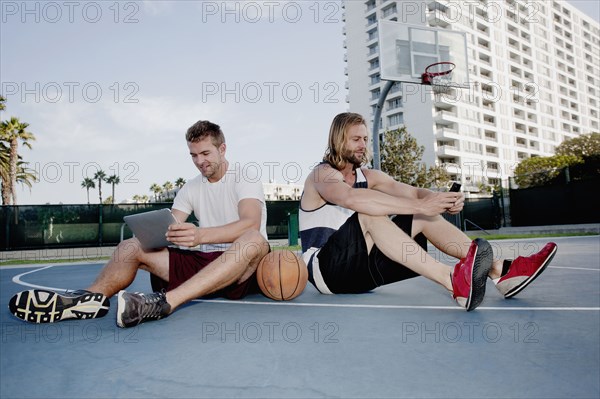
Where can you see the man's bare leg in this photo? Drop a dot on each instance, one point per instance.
(235, 265)
(448, 238)
(122, 268)
(398, 246)
(467, 284)
(45, 306)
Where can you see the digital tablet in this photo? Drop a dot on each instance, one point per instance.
(150, 227)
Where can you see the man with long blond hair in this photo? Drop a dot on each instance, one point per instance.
(359, 228)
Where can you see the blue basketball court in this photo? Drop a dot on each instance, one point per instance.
(408, 339)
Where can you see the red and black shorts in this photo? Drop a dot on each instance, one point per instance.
(183, 264)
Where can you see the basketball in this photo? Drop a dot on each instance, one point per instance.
(281, 275)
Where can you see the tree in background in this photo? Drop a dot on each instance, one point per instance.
(100, 175)
(157, 190)
(179, 182)
(4, 174)
(88, 183)
(401, 159)
(581, 155)
(541, 171)
(167, 187)
(113, 180)
(12, 132)
(582, 146)
(140, 199)
(4, 159)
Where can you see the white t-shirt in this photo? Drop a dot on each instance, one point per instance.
(216, 204)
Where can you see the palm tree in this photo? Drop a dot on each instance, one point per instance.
(25, 175)
(156, 189)
(2, 101)
(179, 182)
(100, 176)
(13, 131)
(88, 183)
(144, 199)
(113, 179)
(4, 175)
(168, 186)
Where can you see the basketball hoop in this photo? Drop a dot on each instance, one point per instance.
(439, 76)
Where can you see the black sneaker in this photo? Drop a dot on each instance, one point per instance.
(43, 306)
(135, 308)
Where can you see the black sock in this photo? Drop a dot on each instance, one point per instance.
(505, 266)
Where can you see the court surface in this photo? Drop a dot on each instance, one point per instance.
(407, 339)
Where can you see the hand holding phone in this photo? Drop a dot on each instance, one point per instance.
(455, 187)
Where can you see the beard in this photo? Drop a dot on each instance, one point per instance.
(353, 158)
(209, 170)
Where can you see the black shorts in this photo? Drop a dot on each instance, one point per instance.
(347, 267)
(183, 264)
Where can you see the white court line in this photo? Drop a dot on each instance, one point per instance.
(349, 305)
(17, 280)
(573, 268)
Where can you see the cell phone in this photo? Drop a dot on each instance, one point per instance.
(455, 187)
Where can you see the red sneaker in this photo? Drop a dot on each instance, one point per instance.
(524, 270)
(470, 275)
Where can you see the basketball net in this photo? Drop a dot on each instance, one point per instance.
(439, 77)
(442, 84)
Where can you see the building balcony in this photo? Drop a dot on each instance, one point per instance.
(448, 150)
(447, 133)
(489, 106)
(438, 18)
(446, 100)
(449, 116)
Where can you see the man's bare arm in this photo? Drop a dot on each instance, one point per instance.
(189, 235)
(330, 185)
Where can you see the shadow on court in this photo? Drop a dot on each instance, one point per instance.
(408, 339)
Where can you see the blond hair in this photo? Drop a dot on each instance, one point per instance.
(338, 132)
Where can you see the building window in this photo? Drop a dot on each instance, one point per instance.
(396, 119)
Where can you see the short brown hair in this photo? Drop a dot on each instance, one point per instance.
(202, 129)
(337, 137)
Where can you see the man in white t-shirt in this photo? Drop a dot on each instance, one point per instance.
(218, 257)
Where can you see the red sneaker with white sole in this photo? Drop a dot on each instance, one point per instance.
(523, 270)
(470, 275)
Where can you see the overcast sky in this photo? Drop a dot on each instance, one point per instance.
(115, 85)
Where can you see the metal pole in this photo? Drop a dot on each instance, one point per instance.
(378, 107)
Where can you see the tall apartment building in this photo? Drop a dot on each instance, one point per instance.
(534, 72)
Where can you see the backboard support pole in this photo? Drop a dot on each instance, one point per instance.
(376, 155)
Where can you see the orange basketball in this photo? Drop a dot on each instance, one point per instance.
(282, 275)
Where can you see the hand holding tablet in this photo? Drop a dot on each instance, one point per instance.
(150, 228)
